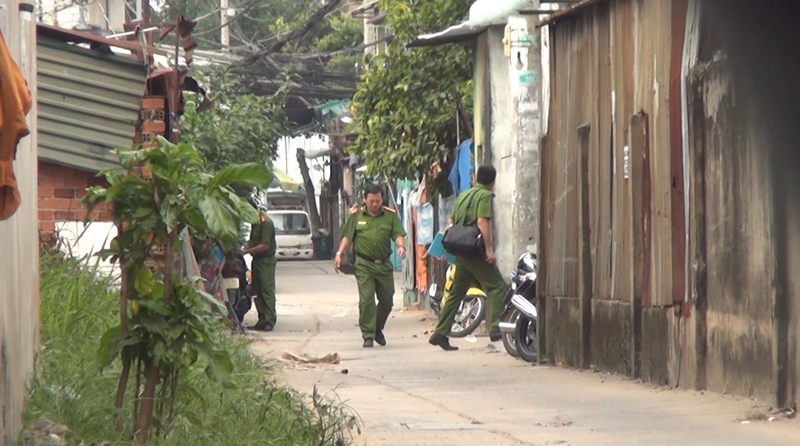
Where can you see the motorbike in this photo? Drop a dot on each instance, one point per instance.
(470, 313)
(235, 284)
(523, 288)
(525, 332)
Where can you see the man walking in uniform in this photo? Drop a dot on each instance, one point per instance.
(373, 226)
(474, 207)
(262, 247)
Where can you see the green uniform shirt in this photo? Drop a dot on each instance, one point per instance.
(373, 234)
(473, 204)
(263, 232)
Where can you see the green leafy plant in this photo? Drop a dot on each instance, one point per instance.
(166, 321)
(405, 108)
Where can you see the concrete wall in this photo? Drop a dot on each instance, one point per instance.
(19, 264)
(508, 123)
(499, 147)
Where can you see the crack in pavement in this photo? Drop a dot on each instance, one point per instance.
(473, 421)
(317, 331)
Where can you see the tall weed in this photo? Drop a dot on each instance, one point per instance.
(79, 303)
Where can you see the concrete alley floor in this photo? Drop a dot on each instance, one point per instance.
(412, 394)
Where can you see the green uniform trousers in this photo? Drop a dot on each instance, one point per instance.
(374, 279)
(264, 284)
(468, 271)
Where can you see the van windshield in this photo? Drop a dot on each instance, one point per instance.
(291, 224)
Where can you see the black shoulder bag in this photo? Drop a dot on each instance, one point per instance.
(348, 265)
(464, 240)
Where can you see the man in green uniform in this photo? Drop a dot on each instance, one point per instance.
(262, 247)
(373, 226)
(474, 207)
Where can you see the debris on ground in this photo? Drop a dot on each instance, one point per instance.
(345, 371)
(332, 358)
(44, 432)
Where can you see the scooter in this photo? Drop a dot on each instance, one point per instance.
(234, 281)
(523, 286)
(471, 311)
(525, 330)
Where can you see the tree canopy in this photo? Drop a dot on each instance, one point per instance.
(405, 108)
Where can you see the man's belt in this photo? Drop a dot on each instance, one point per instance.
(371, 260)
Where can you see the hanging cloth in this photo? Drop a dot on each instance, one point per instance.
(15, 103)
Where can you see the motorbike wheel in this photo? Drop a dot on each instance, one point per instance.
(509, 340)
(526, 339)
(469, 316)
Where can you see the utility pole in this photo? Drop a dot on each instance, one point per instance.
(523, 49)
(225, 32)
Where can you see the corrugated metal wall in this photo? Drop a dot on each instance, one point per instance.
(19, 263)
(610, 62)
(88, 104)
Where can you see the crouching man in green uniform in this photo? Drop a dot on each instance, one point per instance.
(262, 247)
(474, 207)
(373, 226)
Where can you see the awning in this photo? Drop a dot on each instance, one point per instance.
(457, 33)
(284, 181)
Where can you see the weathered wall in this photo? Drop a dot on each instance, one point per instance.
(499, 148)
(739, 294)
(643, 106)
(19, 264)
(526, 133)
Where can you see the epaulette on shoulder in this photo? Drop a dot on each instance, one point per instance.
(354, 210)
(390, 209)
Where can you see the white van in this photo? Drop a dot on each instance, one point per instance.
(292, 234)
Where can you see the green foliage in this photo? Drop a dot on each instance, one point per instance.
(240, 127)
(79, 303)
(405, 108)
(171, 323)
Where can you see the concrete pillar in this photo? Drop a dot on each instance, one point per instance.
(522, 46)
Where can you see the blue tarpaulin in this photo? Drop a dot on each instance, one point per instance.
(437, 249)
(461, 173)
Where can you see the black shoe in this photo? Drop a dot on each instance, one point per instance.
(380, 339)
(368, 343)
(443, 342)
(262, 326)
(495, 335)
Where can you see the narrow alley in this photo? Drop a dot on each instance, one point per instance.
(410, 393)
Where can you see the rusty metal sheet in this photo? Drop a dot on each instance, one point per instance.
(610, 62)
(678, 34)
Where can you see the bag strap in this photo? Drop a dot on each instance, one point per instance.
(465, 203)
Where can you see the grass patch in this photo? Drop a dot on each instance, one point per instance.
(78, 304)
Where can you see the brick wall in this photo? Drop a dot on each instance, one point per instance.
(60, 192)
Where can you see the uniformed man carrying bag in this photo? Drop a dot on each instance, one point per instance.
(371, 229)
(469, 238)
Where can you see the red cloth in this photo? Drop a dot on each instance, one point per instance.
(15, 103)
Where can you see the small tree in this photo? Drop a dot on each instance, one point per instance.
(405, 107)
(166, 324)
